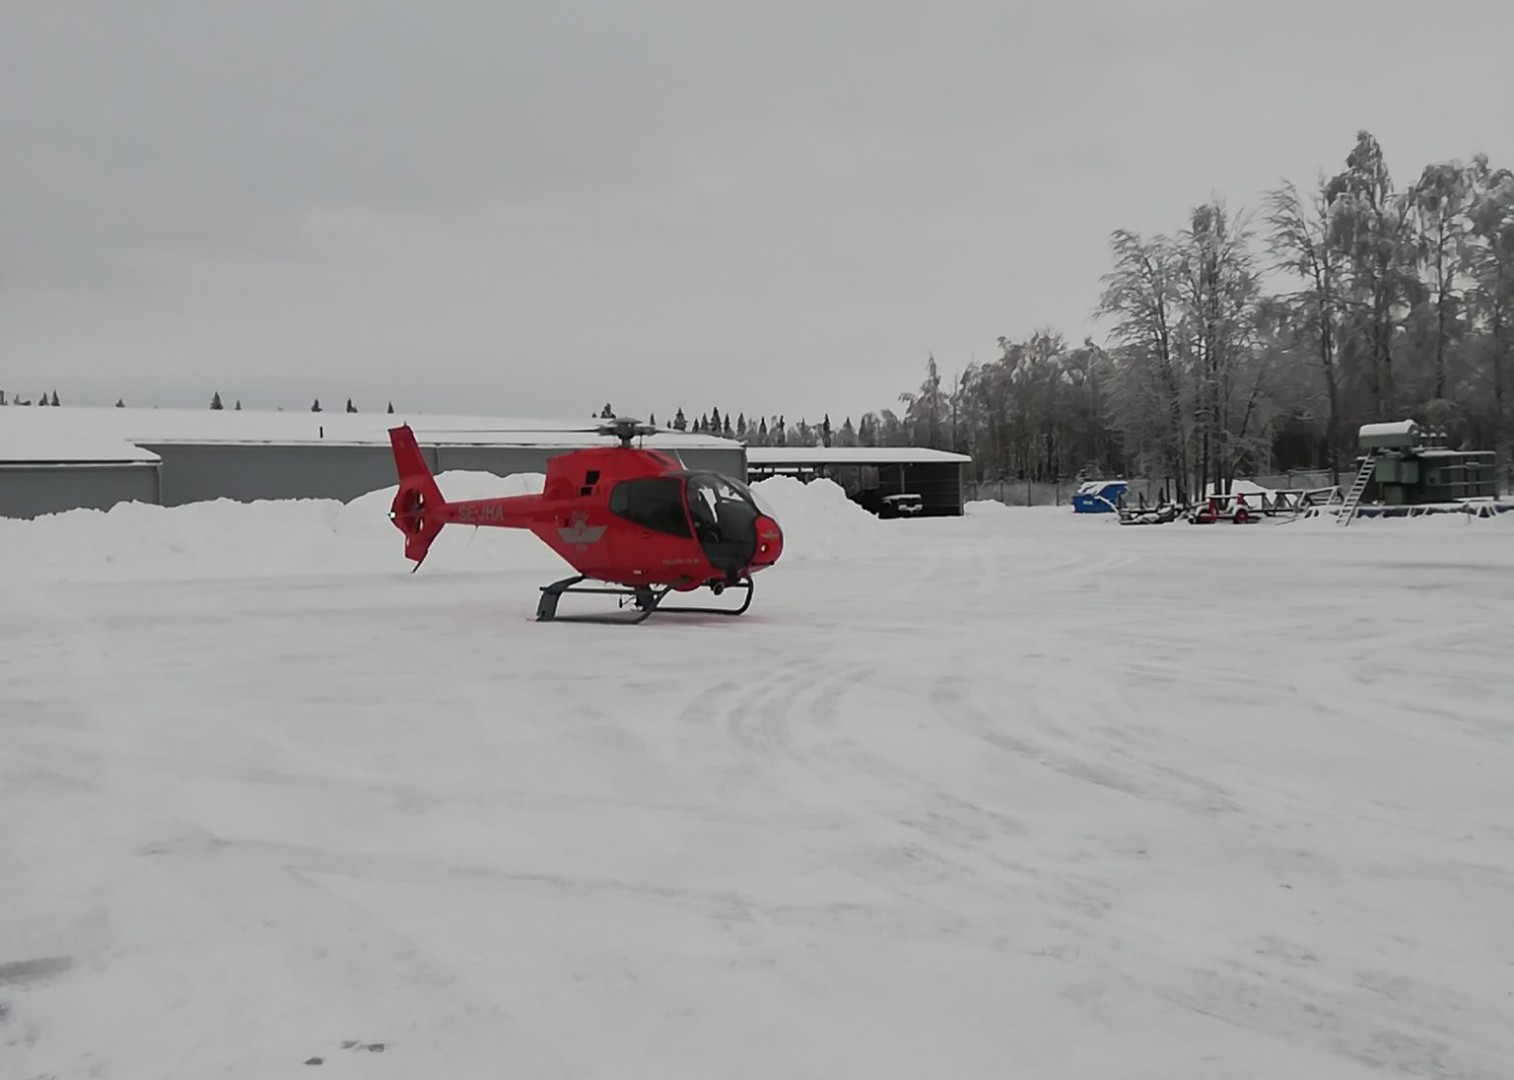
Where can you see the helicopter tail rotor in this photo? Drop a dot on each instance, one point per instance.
(417, 507)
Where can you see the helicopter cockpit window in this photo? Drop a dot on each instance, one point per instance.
(722, 509)
(654, 503)
(707, 493)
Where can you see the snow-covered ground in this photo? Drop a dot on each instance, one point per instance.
(1023, 794)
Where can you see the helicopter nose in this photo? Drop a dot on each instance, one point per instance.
(769, 542)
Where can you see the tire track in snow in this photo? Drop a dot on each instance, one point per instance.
(933, 827)
(311, 939)
(330, 950)
(762, 724)
(1080, 761)
(1268, 995)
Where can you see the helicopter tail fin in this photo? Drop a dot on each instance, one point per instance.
(417, 507)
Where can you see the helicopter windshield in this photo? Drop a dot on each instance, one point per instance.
(714, 488)
(707, 492)
(724, 514)
(763, 506)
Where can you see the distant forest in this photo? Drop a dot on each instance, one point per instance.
(1381, 301)
(1387, 302)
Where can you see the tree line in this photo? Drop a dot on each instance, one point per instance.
(1246, 342)
(215, 402)
(42, 400)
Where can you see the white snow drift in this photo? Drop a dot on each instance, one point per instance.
(1022, 794)
(223, 538)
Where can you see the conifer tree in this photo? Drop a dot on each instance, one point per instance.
(215, 401)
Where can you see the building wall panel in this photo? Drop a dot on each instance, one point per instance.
(246, 472)
(29, 491)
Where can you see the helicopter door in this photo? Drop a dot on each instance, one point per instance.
(654, 508)
(725, 521)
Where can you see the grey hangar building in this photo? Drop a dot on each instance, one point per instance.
(81, 457)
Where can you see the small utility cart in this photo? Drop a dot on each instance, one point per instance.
(1232, 508)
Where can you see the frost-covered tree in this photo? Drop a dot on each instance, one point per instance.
(1300, 242)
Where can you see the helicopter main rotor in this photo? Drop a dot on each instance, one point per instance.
(624, 428)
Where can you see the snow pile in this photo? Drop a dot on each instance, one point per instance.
(274, 538)
(1452, 520)
(302, 537)
(819, 521)
(984, 506)
(1249, 488)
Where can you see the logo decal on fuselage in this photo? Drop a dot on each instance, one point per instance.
(579, 532)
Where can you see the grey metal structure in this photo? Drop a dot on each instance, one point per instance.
(196, 472)
(33, 489)
(173, 471)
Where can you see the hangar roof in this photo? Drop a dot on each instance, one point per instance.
(92, 433)
(848, 455)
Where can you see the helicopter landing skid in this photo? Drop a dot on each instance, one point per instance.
(645, 599)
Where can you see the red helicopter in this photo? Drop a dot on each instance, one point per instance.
(631, 518)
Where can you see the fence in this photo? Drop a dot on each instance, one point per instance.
(1038, 493)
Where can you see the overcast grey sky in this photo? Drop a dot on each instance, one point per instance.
(532, 208)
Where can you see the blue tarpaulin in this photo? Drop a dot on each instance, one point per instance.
(1098, 497)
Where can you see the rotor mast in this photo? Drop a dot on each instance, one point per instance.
(626, 428)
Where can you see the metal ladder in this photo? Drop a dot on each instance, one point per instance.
(1358, 486)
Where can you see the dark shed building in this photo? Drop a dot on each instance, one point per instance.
(870, 474)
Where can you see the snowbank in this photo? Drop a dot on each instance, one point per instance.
(300, 537)
(1389, 525)
(819, 521)
(984, 506)
(227, 539)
